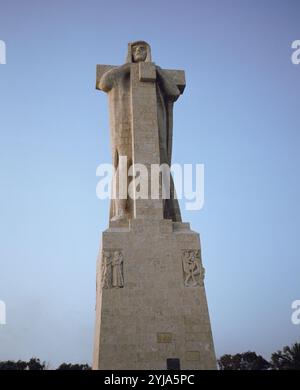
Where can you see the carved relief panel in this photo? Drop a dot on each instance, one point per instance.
(193, 270)
(112, 269)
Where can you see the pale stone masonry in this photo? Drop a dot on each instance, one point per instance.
(150, 299)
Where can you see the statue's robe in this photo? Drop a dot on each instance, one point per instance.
(116, 82)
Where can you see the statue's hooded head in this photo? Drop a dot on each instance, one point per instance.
(139, 51)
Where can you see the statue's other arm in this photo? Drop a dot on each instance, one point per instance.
(170, 88)
(108, 79)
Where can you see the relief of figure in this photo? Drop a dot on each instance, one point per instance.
(117, 270)
(112, 269)
(106, 270)
(192, 268)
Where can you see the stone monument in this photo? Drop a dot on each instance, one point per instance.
(151, 309)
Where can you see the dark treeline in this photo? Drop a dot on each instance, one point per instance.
(36, 364)
(287, 359)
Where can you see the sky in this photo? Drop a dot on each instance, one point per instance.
(239, 116)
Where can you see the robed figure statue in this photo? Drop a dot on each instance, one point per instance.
(116, 82)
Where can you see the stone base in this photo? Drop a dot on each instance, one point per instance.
(149, 308)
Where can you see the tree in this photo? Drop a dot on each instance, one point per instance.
(11, 365)
(243, 361)
(287, 359)
(70, 366)
(36, 364)
(33, 364)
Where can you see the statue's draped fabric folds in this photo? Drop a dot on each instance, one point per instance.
(117, 83)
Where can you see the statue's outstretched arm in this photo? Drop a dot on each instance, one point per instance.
(108, 79)
(170, 88)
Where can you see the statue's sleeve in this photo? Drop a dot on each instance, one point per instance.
(106, 82)
(170, 89)
(111, 77)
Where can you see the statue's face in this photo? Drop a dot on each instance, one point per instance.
(139, 53)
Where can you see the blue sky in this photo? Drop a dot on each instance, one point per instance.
(239, 116)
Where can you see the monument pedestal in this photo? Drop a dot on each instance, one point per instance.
(151, 303)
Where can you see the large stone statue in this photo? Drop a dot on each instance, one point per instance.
(119, 83)
(151, 309)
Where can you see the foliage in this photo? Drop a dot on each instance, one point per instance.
(287, 359)
(35, 364)
(70, 366)
(243, 361)
(32, 364)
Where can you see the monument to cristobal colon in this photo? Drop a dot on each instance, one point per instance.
(151, 309)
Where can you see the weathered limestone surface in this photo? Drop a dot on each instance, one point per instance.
(150, 300)
(155, 316)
